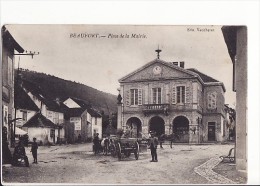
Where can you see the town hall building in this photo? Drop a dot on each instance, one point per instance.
(167, 98)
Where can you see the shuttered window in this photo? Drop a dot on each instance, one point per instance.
(180, 94)
(157, 95)
(136, 97)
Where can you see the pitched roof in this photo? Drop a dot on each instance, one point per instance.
(37, 92)
(9, 41)
(204, 77)
(73, 112)
(169, 64)
(81, 103)
(94, 113)
(22, 100)
(38, 120)
(84, 105)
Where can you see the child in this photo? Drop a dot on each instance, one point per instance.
(34, 150)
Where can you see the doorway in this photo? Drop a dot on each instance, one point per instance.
(157, 124)
(211, 131)
(181, 128)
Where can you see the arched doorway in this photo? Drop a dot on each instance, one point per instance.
(157, 124)
(181, 127)
(134, 124)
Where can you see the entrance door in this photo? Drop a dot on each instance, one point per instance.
(211, 131)
(181, 128)
(157, 125)
(135, 126)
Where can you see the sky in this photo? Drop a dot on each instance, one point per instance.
(99, 55)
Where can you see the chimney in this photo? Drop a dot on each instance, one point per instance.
(182, 64)
(175, 63)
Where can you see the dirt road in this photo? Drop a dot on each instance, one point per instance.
(78, 164)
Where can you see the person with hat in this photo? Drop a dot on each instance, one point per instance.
(153, 142)
(34, 150)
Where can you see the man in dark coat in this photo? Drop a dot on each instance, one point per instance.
(153, 142)
(34, 150)
(96, 143)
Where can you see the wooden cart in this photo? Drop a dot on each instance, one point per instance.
(125, 146)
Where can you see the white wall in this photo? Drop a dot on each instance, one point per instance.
(41, 134)
(97, 127)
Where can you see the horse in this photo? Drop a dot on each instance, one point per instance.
(168, 137)
(105, 145)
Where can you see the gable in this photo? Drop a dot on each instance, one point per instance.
(157, 69)
(71, 103)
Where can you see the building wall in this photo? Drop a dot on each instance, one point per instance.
(84, 130)
(241, 99)
(19, 114)
(194, 108)
(41, 134)
(7, 87)
(96, 124)
(220, 100)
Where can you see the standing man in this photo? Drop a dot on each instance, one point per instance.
(96, 143)
(34, 150)
(153, 142)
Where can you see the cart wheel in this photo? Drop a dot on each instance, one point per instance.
(119, 151)
(113, 150)
(136, 150)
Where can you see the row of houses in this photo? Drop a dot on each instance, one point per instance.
(53, 121)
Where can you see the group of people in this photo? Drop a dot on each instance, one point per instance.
(152, 145)
(19, 153)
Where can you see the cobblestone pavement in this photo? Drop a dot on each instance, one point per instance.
(206, 171)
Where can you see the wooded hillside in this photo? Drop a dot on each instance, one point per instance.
(56, 87)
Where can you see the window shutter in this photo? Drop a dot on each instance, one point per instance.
(167, 93)
(173, 95)
(127, 96)
(187, 94)
(214, 100)
(140, 96)
(146, 96)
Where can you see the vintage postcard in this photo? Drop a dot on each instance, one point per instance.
(124, 104)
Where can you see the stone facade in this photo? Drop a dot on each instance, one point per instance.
(168, 99)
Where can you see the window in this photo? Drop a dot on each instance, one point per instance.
(24, 113)
(157, 95)
(180, 94)
(134, 96)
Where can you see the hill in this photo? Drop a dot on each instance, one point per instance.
(56, 87)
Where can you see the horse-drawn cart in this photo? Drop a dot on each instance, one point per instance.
(125, 146)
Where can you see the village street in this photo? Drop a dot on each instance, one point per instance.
(77, 164)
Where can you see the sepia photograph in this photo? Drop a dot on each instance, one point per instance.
(124, 104)
(129, 92)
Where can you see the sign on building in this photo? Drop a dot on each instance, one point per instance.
(77, 123)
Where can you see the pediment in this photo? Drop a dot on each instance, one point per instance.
(157, 69)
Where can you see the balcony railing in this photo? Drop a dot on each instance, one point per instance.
(156, 108)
